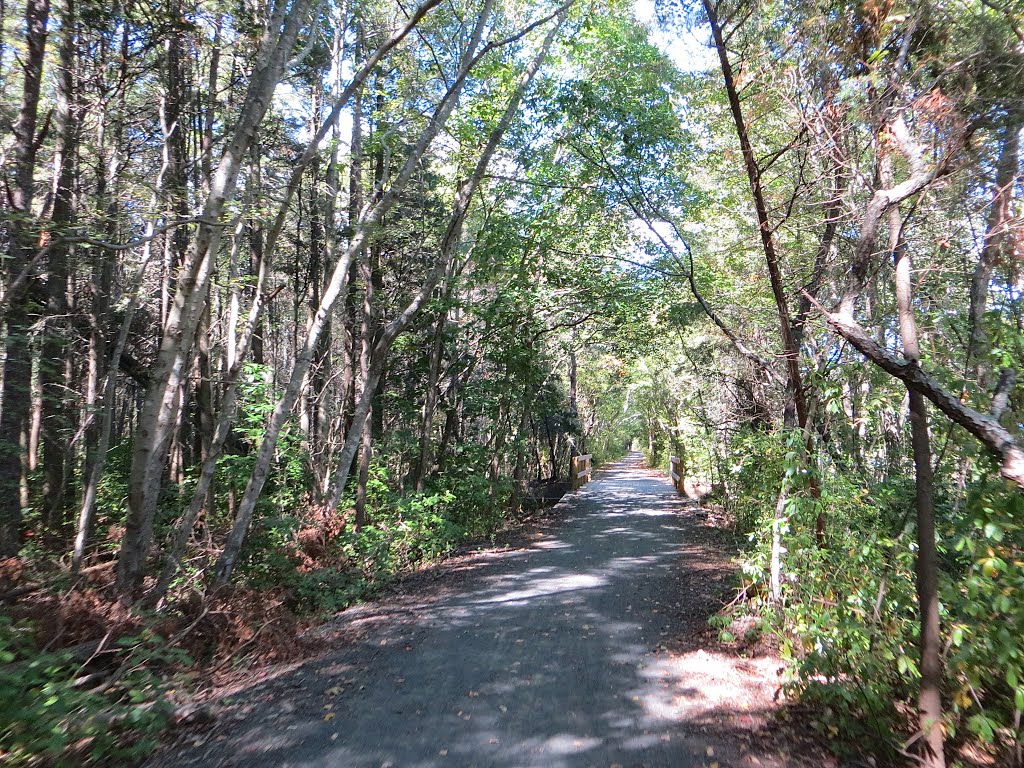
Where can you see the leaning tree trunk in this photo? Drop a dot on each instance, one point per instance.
(796, 411)
(368, 222)
(449, 245)
(159, 413)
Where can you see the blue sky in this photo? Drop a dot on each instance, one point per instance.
(688, 49)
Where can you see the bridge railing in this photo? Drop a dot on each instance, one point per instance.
(580, 470)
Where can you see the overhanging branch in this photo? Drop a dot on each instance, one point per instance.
(985, 428)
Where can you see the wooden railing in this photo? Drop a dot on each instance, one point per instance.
(580, 469)
(675, 469)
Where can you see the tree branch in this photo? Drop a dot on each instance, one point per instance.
(985, 428)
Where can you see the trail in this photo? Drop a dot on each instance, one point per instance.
(583, 647)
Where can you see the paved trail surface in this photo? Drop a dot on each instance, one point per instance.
(549, 655)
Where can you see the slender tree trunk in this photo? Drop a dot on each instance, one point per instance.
(423, 463)
(930, 643)
(159, 413)
(107, 411)
(348, 298)
(366, 343)
(522, 437)
(53, 354)
(795, 395)
(999, 238)
(17, 370)
(108, 165)
(205, 410)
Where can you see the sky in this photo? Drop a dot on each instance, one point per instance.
(688, 49)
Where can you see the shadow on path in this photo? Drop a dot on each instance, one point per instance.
(546, 656)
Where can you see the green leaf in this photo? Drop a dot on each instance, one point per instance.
(993, 532)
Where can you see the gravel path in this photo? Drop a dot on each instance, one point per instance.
(580, 648)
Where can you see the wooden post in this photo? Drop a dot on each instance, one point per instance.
(580, 469)
(674, 470)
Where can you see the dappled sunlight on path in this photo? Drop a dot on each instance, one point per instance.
(551, 655)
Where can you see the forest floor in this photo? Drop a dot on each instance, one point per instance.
(579, 640)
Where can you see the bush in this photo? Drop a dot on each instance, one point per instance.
(848, 621)
(50, 713)
(325, 564)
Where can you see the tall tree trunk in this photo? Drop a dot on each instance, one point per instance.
(108, 166)
(53, 355)
(999, 238)
(795, 396)
(930, 643)
(20, 235)
(425, 459)
(159, 413)
(366, 342)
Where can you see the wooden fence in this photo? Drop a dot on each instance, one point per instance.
(676, 471)
(580, 469)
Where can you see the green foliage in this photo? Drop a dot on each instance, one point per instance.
(755, 467)
(50, 712)
(848, 621)
(406, 530)
(985, 665)
(289, 478)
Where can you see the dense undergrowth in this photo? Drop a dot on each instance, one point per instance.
(847, 623)
(86, 680)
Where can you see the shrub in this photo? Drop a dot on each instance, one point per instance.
(50, 712)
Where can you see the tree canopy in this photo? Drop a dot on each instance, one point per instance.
(302, 295)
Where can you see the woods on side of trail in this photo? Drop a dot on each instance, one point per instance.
(299, 296)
